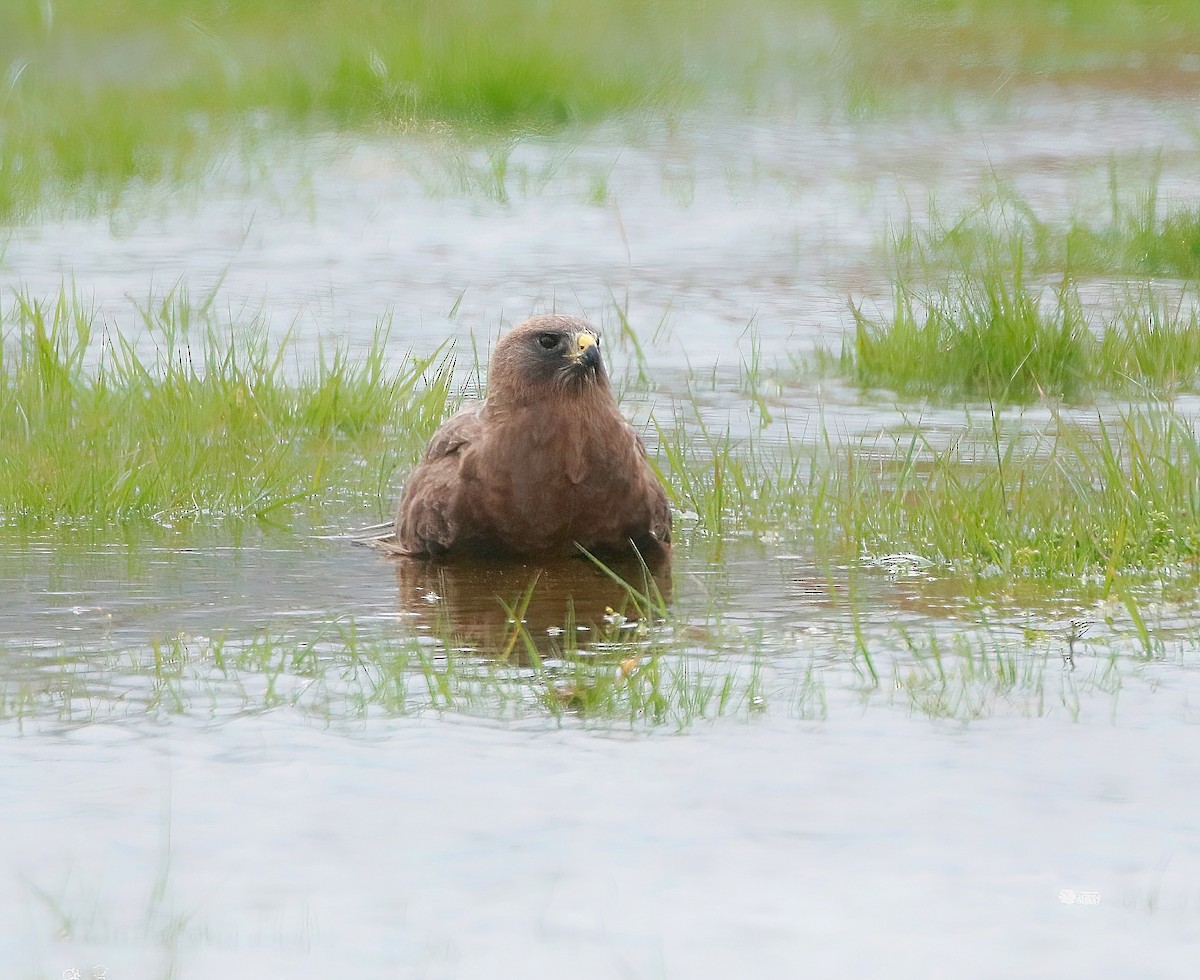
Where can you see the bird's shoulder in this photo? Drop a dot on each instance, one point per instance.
(464, 428)
(638, 441)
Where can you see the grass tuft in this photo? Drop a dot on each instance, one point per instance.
(1071, 501)
(979, 330)
(1139, 239)
(208, 427)
(990, 338)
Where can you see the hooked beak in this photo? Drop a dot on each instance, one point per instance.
(587, 351)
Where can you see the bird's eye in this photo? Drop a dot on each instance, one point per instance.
(549, 340)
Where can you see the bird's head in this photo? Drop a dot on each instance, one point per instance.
(547, 354)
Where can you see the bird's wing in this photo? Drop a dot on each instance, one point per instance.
(461, 429)
(660, 506)
(424, 517)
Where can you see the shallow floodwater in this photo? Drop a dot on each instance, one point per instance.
(204, 827)
(167, 812)
(698, 228)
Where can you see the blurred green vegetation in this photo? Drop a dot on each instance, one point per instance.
(94, 95)
(1119, 42)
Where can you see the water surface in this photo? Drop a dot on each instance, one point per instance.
(167, 812)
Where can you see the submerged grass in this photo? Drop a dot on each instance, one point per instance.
(668, 676)
(342, 676)
(1077, 499)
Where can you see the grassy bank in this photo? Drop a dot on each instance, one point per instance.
(95, 97)
(896, 50)
(203, 423)
(153, 91)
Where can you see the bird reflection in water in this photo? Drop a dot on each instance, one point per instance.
(511, 609)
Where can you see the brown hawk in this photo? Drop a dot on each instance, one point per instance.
(544, 466)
